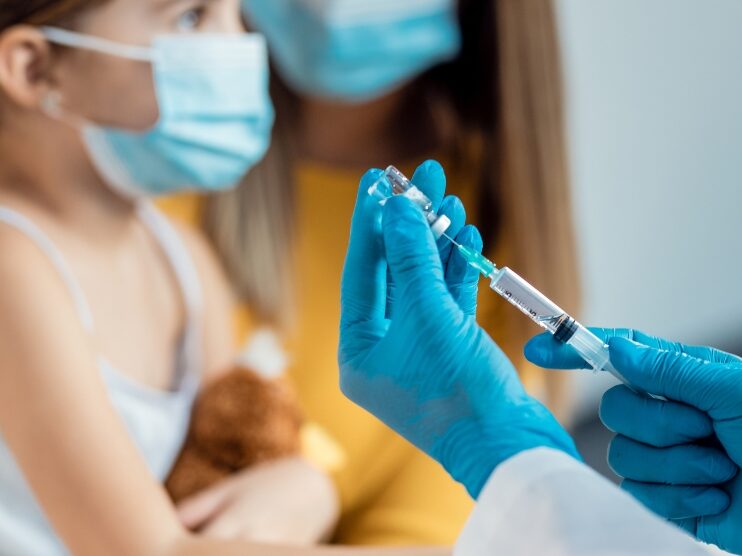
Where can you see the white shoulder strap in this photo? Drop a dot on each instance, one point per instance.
(177, 255)
(16, 220)
(188, 279)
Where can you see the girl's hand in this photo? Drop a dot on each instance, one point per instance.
(284, 502)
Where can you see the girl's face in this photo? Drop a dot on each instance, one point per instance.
(118, 92)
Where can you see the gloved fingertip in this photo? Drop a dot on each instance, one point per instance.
(537, 350)
(430, 178)
(470, 237)
(432, 167)
(612, 406)
(461, 277)
(722, 468)
(453, 208)
(625, 353)
(710, 501)
(365, 200)
(370, 177)
(458, 265)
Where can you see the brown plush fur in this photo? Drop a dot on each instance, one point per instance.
(238, 421)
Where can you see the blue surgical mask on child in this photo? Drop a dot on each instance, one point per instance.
(216, 114)
(355, 50)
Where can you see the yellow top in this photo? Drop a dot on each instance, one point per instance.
(391, 493)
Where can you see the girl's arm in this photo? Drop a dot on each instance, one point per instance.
(72, 447)
(236, 548)
(56, 417)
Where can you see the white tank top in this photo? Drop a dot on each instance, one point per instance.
(157, 420)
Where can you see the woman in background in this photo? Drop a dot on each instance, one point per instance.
(359, 83)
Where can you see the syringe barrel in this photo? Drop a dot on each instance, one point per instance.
(547, 314)
(531, 302)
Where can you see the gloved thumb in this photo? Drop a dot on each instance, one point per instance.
(674, 375)
(363, 288)
(411, 251)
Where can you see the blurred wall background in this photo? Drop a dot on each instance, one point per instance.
(655, 117)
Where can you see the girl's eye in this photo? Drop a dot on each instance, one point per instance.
(190, 20)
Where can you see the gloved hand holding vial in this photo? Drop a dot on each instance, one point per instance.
(531, 302)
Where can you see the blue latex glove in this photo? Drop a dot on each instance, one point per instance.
(679, 457)
(430, 372)
(430, 178)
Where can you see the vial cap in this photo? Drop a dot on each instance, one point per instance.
(440, 226)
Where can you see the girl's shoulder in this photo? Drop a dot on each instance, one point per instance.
(24, 262)
(37, 313)
(29, 259)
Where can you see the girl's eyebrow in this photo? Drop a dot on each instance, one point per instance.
(164, 4)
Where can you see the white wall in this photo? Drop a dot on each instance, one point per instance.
(655, 111)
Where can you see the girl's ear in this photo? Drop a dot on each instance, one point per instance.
(25, 65)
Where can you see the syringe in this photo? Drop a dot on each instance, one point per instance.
(531, 302)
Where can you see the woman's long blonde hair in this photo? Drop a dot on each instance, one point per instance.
(506, 85)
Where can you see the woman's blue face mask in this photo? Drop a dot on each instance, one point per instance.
(355, 50)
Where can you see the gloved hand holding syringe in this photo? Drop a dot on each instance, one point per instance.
(539, 308)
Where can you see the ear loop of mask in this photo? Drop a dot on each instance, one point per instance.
(52, 102)
(51, 105)
(71, 39)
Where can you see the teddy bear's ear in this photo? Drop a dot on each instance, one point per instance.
(264, 355)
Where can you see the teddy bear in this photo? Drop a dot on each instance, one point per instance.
(242, 419)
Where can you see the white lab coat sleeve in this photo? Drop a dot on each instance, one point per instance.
(543, 502)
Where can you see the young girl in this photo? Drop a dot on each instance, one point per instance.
(111, 318)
